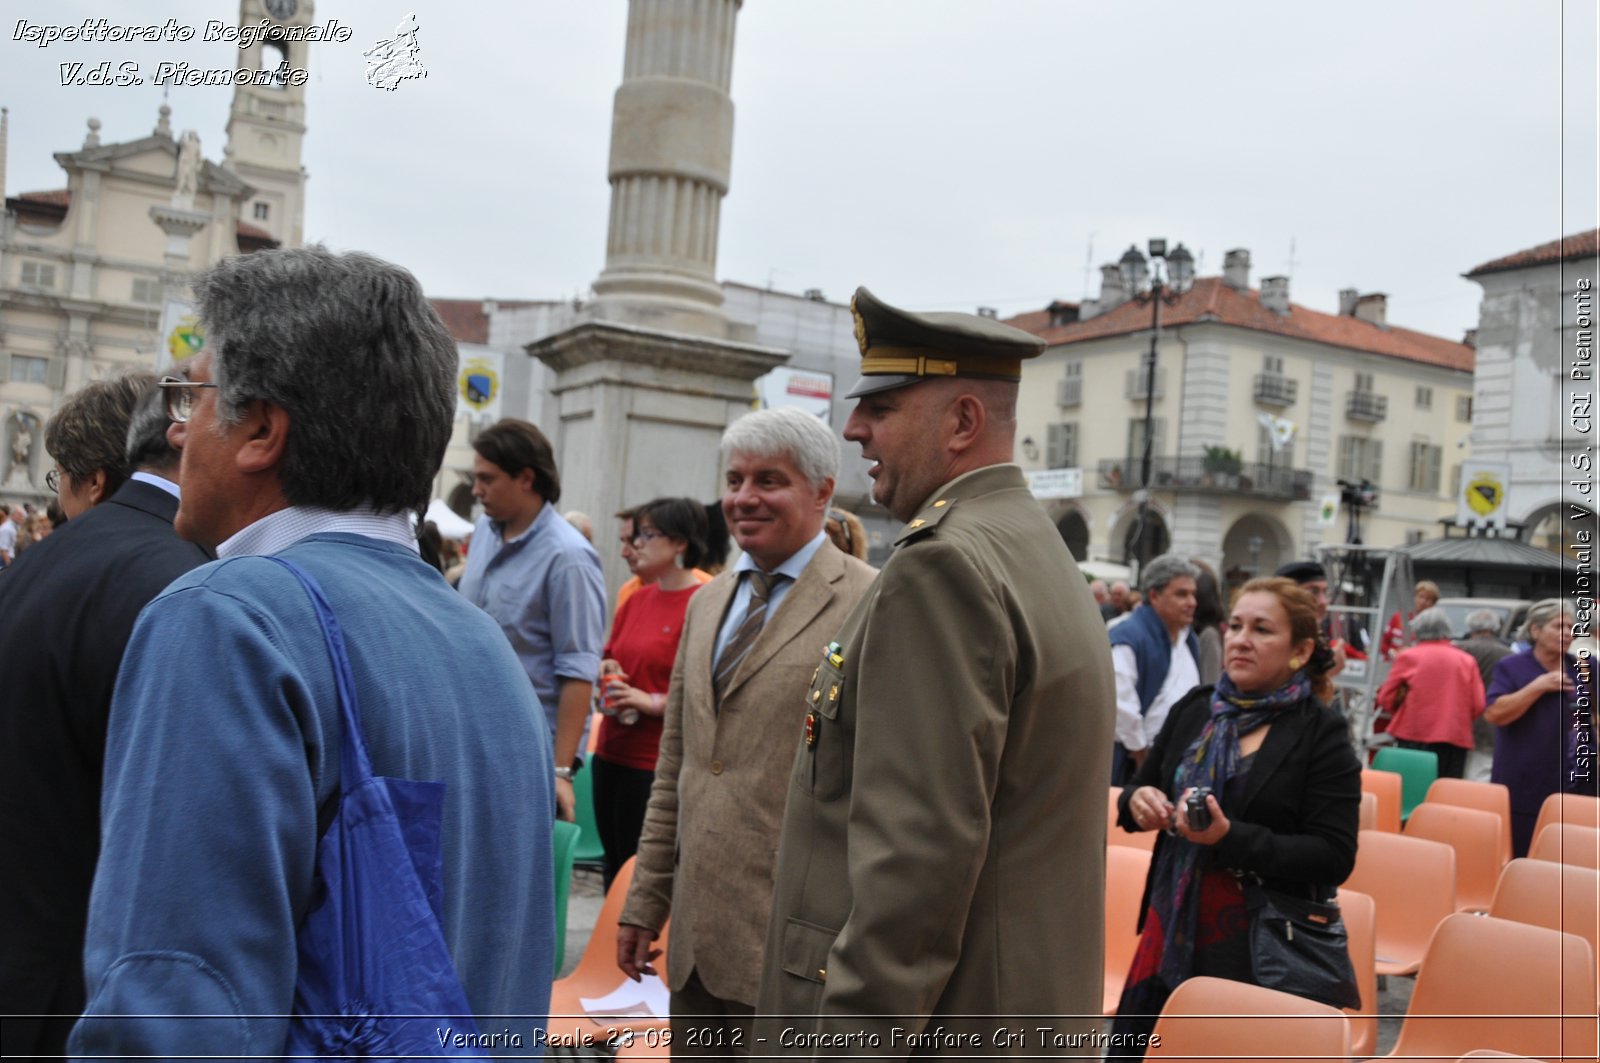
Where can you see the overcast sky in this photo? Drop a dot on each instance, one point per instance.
(946, 153)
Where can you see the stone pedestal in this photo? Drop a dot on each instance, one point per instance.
(637, 413)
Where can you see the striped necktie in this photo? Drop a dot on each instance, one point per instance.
(755, 614)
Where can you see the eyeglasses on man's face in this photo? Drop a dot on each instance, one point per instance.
(178, 396)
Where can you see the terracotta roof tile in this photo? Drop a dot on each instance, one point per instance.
(464, 318)
(1579, 245)
(56, 197)
(1209, 300)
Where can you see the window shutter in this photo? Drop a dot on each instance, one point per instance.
(58, 372)
(1375, 461)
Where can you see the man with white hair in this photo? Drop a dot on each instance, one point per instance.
(734, 710)
(1156, 657)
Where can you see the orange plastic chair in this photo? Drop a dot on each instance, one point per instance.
(1567, 843)
(1387, 786)
(1361, 927)
(1216, 1018)
(1413, 883)
(1576, 809)
(1492, 983)
(1554, 896)
(1484, 796)
(1116, 836)
(1489, 1053)
(1369, 810)
(1476, 838)
(597, 973)
(1126, 871)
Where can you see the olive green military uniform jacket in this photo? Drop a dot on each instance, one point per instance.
(943, 847)
(710, 835)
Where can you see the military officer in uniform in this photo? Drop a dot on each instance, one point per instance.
(942, 854)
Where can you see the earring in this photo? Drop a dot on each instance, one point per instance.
(1295, 663)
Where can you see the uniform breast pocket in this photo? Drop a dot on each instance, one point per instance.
(822, 768)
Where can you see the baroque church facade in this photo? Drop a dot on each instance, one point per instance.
(93, 275)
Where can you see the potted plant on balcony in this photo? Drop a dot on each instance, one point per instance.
(1221, 462)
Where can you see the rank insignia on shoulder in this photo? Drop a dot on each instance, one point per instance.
(811, 729)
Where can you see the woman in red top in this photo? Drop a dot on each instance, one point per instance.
(669, 541)
(1435, 691)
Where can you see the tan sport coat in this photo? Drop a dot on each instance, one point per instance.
(943, 848)
(711, 831)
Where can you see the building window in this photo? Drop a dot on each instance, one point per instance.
(146, 290)
(1272, 363)
(26, 370)
(1158, 438)
(1455, 480)
(1069, 390)
(1464, 408)
(1363, 381)
(261, 211)
(1360, 458)
(1424, 398)
(1424, 474)
(1062, 446)
(38, 274)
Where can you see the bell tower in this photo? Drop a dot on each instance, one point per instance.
(267, 123)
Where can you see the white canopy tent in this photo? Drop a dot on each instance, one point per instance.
(444, 518)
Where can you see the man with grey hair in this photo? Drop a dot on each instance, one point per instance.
(1483, 643)
(312, 426)
(733, 710)
(1156, 657)
(1435, 692)
(67, 608)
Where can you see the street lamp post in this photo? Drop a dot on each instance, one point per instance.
(1180, 273)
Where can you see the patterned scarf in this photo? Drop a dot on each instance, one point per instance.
(1211, 761)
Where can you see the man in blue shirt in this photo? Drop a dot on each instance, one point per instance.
(540, 579)
(311, 426)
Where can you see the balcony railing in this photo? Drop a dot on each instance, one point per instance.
(1366, 406)
(1191, 474)
(1275, 389)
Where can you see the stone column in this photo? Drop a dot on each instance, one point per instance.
(643, 386)
(671, 149)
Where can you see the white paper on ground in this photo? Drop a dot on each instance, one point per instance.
(646, 998)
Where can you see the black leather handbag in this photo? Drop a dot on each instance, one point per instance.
(1299, 946)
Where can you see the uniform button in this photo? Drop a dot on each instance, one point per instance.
(822, 973)
(716, 767)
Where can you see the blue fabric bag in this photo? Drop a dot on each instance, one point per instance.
(375, 977)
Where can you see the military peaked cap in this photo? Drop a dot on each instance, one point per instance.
(899, 347)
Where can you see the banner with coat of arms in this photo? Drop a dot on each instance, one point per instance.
(1484, 485)
(181, 336)
(478, 385)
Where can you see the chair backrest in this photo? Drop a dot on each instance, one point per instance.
(1386, 786)
(1475, 836)
(1492, 983)
(1417, 769)
(1360, 926)
(589, 851)
(1576, 809)
(1217, 1018)
(564, 843)
(1116, 836)
(1126, 871)
(1556, 896)
(1567, 843)
(1369, 810)
(1413, 883)
(1484, 796)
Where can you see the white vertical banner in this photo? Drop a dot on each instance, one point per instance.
(1482, 502)
(479, 384)
(1328, 510)
(181, 336)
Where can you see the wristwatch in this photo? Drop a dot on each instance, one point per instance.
(564, 773)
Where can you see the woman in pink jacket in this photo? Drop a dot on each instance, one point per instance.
(1435, 691)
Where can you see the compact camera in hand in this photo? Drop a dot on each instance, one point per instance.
(1196, 813)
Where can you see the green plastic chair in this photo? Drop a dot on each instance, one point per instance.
(1417, 769)
(564, 843)
(589, 852)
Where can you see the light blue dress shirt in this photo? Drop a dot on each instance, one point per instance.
(546, 591)
(793, 567)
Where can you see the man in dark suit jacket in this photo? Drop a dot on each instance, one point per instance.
(67, 607)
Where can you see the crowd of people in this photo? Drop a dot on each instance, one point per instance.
(866, 800)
